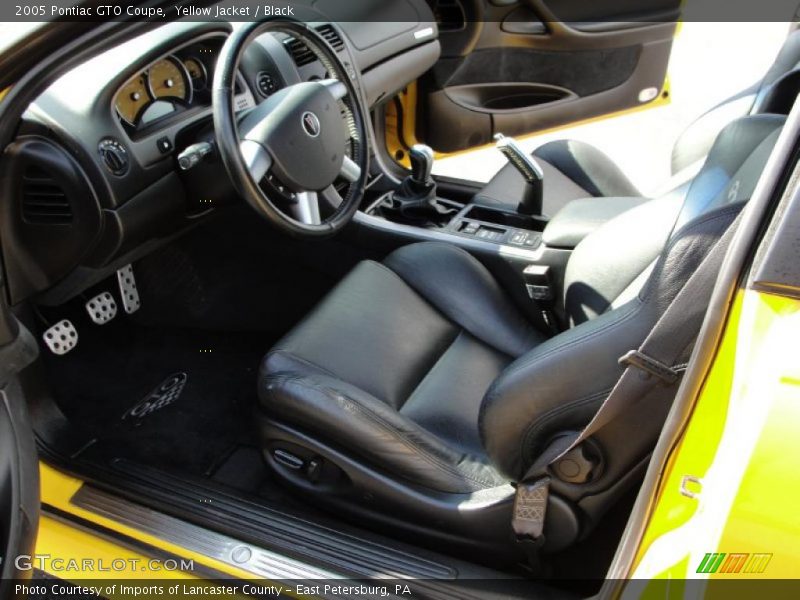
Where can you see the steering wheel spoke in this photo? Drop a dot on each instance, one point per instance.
(306, 208)
(331, 196)
(337, 89)
(350, 170)
(256, 158)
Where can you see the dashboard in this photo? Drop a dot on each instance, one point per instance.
(92, 178)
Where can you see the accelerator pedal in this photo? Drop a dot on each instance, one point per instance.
(61, 337)
(102, 308)
(127, 289)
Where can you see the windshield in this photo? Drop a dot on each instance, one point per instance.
(11, 33)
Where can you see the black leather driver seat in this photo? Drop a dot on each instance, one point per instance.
(417, 391)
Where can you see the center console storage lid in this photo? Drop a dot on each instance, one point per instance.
(581, 217)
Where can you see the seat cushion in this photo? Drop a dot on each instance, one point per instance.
(571, 170)
(393, 364)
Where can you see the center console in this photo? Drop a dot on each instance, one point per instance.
(500, 226)
(526, 251)
(415, 203)
(471, 221)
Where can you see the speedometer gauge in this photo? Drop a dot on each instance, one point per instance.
(197, 72)
(168, 79)
(132, 98)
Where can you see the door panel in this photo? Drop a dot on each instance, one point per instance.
(19, 466)
(515, 68)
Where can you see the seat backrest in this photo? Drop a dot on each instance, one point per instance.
(696, 140)
(610, 267)
(623, 276)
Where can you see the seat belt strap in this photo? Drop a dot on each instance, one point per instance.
(669, 339)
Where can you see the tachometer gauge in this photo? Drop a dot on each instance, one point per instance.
(168, 79)
(132, 99)
(197, 73)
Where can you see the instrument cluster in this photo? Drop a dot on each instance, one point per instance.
(172, 84)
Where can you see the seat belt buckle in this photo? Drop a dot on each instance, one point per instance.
(650, 365)
(530, 507)
(539, 286)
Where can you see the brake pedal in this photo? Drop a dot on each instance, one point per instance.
(102, 308)
(127, 289)
(61, 337)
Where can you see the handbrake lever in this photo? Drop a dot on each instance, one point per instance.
(531, 201)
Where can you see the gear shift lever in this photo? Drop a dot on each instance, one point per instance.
(421, 157)
(531, 202)
(418, 189)
(415, 199)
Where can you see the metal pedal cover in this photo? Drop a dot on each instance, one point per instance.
(102, 308)
(127, 289)
(61, 337)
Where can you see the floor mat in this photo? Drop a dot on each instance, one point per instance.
(174, 398)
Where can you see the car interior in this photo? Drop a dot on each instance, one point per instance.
(252, 317)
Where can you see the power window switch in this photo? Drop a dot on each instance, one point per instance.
(533, 240)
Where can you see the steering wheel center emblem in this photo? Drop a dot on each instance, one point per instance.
(311, 124)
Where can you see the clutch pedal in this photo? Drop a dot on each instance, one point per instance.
(127, 289)
(61, 337)
(102, 308)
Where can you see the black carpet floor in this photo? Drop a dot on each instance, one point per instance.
(180, 399)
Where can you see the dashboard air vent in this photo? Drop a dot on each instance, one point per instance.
(43, 199)
(301, 53)
(331, 36)
(449, 15)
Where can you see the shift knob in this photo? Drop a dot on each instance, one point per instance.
(421, 157)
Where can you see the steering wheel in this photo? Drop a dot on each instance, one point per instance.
(305, 136)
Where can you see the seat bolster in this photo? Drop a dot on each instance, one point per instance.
(695, 142)
(345, 415)
(556, 387)
(588, 167)
(462, 289)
